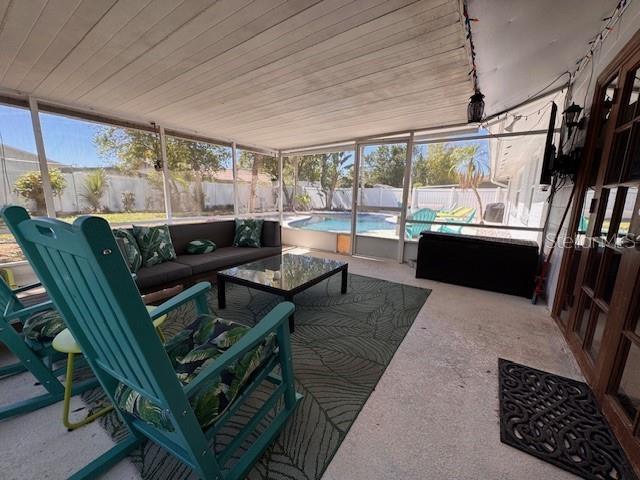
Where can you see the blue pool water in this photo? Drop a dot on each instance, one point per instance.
(341, 223)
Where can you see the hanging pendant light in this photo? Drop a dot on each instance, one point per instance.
(475, 110)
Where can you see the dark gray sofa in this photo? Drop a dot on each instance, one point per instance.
(187, 269)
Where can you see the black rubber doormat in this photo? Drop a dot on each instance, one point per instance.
(557, 420)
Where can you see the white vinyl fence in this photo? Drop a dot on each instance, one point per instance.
(436, 198)
(149, 196)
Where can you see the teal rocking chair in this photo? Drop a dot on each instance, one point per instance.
(27, 331)
(178, 395)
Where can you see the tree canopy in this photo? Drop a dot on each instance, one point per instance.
(385, 166)
(436, 168)
(134, 150)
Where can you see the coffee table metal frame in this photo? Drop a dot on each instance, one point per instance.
(223, 279)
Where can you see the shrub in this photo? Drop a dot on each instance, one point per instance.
(128, 201)
(303, 201)
(29, 186)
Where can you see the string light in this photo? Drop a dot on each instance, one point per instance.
(467, 22)
(597, 41)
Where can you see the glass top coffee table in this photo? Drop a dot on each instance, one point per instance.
(285, 275)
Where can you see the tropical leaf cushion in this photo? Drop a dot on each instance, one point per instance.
(129, 247)
(200, 246)
(248, 233)
(43, 326)
(190, 351)
(155, 244)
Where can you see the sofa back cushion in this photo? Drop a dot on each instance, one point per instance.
(129, 248)
(271, 235)
(155, 244)
(219, 232)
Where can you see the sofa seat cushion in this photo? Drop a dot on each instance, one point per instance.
(225, 257)
(44, 326)
(191, 351)
(162, 273)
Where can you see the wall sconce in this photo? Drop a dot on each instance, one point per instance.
(571, 115)
(475, 110)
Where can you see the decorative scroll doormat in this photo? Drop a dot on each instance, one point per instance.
(557, 420)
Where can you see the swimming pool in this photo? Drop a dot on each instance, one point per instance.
(341, 223)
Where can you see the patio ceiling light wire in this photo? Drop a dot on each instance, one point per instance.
(526, 114)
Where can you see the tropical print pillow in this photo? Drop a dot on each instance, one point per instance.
(192, 350)
(196, 247)
(248, 233)
(129, 247)
(43, 326)
(155, 244)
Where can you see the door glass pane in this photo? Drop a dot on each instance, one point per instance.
(583, 223)
(627, 213)
(629, 387)
(610, 272)
(593, 265)
(608, 196)
(633, 156)
(609, 93)
(629, 106)
(583, 316)
(569, 293)
(600, 323)
(618, 151)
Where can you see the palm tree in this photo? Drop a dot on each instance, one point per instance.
(471, 167)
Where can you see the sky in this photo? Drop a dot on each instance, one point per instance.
(70, 141)
(66, 140)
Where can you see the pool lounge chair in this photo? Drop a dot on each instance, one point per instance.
(457, 229)
(178, 395)
(424, 215)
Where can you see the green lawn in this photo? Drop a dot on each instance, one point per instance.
(123, 217)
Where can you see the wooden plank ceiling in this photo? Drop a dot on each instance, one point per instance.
(274, 73)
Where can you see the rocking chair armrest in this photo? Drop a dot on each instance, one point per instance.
(271, 322)
(28, 311)
(26, 288)
(192, 293)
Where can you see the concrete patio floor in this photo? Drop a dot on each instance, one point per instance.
(432, 416)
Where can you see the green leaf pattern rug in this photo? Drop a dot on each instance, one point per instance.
(341, 347)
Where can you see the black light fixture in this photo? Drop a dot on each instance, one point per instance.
(571, 115)
(475, 110)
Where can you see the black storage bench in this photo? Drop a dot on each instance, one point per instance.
(500, 265)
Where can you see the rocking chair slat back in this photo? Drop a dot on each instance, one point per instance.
(92, 289)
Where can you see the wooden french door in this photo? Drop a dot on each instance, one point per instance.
(603, 327)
